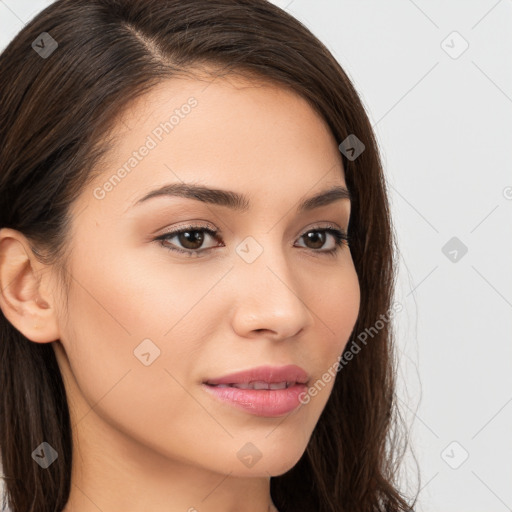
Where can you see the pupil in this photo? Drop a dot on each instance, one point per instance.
(191, 242)
(319, 236)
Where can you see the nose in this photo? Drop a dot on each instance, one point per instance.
(268, 298)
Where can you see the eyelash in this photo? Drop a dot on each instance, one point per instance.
(340, 238)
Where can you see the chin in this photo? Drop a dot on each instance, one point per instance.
(276, 463)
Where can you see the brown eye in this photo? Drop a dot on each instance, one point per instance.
(191, 239)
(317, 239)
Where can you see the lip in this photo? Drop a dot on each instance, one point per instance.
(261, 402)
(270, 374)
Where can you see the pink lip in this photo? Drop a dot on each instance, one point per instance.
(289, 373)
(262, 402)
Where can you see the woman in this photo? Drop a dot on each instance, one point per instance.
(194, 232)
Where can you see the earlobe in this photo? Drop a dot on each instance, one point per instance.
(24, 297)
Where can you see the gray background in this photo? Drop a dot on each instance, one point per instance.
(443, 120)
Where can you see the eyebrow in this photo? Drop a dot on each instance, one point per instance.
(240, 202)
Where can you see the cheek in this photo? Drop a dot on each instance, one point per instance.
(148, 293)
(125, 314)
(141, 400)
(336, 308)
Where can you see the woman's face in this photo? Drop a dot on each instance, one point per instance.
(148, 325)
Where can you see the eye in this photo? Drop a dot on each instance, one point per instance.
(317, 237)
(192, 238)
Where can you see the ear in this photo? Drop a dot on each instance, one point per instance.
(25, 299)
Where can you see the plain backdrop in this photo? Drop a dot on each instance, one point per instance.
(437, 85)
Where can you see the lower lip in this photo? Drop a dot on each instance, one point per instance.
(260, 402)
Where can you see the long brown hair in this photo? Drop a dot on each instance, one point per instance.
(56, 110)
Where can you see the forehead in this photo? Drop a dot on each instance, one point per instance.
(220, 131)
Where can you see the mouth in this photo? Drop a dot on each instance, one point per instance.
(268, 391)
(259, 398)
(257, 385)
(263, 377)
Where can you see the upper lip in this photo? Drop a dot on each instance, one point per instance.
(270, 374)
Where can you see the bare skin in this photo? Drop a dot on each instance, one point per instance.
(148, 437)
